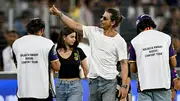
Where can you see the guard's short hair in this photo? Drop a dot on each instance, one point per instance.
(144, 21)
(35, 25)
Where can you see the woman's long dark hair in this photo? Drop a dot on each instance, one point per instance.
(65, 32)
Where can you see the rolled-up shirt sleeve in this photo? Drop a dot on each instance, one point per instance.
(132, 54)
(53, 54)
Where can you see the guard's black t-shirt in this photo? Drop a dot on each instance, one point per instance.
(70, 66)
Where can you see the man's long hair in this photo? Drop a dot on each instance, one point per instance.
(116, 16)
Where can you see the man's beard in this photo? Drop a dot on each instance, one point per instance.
(100, 25)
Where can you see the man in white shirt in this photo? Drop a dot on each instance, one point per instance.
(35, 57)
(151, 55)
(7, 55)
(107, 48)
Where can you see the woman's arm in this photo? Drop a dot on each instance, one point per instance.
(84, 67)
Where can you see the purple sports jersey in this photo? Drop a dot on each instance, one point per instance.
(174, 75)
(53, 54)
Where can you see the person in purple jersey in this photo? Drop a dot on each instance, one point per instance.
(34, 57)
(151, 52)
(175, 81)
(175, 84)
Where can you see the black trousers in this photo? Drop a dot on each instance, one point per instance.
(34, 99)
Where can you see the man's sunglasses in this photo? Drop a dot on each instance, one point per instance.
(104, 18)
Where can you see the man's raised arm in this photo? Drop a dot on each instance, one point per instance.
(66, 20)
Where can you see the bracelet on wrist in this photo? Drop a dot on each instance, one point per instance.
(60, 15)
(124, 86)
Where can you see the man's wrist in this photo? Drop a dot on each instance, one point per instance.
(60, 14)
(124, 86)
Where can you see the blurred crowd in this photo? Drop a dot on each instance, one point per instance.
(166, 14)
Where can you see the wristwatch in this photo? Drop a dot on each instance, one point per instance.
(124, 86)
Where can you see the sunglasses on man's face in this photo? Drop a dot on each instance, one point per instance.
(104, 18)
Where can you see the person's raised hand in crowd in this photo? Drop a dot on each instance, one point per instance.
(53, 10)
